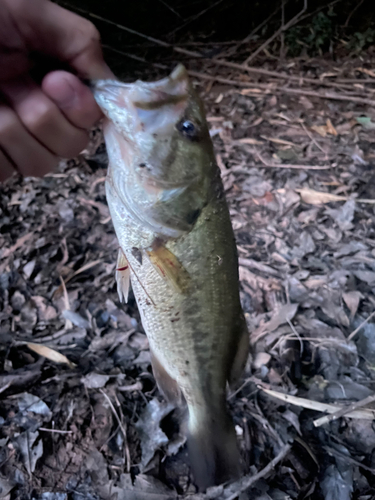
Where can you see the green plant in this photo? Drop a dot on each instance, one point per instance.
(359, 41)
(315, 36)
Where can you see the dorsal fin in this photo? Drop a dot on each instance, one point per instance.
(122, 276)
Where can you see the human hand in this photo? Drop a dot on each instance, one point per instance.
(40, 122)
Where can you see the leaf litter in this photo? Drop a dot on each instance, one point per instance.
(81, 416)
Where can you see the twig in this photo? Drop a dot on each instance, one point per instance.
(263, 268)
(171, 9)
(137, 386)
(309, 404)
(232, 50)
(248, 481)
(352, 12)
(282, 28)
(6, 386)
(354, 333)
(340, 413)
(57, 431)
(286, 165)
(218, 62)
(282, 35)
(123, 430)
(195, 17)
(311, 137)
(347, 458)
(327, 95)
(266, 89)
(135, 58)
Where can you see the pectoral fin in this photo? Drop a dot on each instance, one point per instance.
(122, 276)
(169, 268)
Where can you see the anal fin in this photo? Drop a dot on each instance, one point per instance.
(122, 276)
(241, 354)
(167, 385)
(169, 268)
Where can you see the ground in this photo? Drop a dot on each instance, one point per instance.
(80, 415)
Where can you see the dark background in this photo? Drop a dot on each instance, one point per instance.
(212, 26)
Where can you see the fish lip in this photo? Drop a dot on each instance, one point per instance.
(109, 88)
(178, 73)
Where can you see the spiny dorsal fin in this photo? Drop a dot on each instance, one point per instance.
(122, 276)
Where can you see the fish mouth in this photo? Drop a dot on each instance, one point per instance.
(145, 103)
(172, 85)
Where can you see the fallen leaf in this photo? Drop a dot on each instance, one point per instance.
(94, 380)
(366, 276)
(317, 197)
(366, 122)
(366, 71)
(143, 487)
(76, 319)
(330, 128)
(352, 300)
(148, 426)
(249, 140)
(29, 453)
(261, 359)
(29, 402)
(320, 129)
(21, 241)
(282, 315)
(50, 354)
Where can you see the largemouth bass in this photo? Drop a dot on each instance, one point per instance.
(177, 247)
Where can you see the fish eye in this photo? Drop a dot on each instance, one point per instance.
(188, 129)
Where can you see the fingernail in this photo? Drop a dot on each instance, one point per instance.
(65, 95)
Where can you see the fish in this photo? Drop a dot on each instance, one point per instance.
(177, 249)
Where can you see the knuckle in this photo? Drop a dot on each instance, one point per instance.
(8, 123)
(90, 31)
(36, 115)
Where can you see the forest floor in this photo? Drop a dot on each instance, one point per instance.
(80, 415)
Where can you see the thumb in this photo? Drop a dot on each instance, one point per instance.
(49, 29)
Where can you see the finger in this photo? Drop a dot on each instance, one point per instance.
(6, 167)
(74, 99)
(52, 30)
(30, 157)
(43, 119)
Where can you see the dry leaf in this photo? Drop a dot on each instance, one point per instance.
(50, 354)
(261, 359)
(8, 251)
(352, 300)
(366, 72)
(320, 129)
(280, 141)
(282, 315)
(330, 128)
(317, 197)
(249, 140)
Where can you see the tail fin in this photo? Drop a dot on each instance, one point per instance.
(212, 447)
